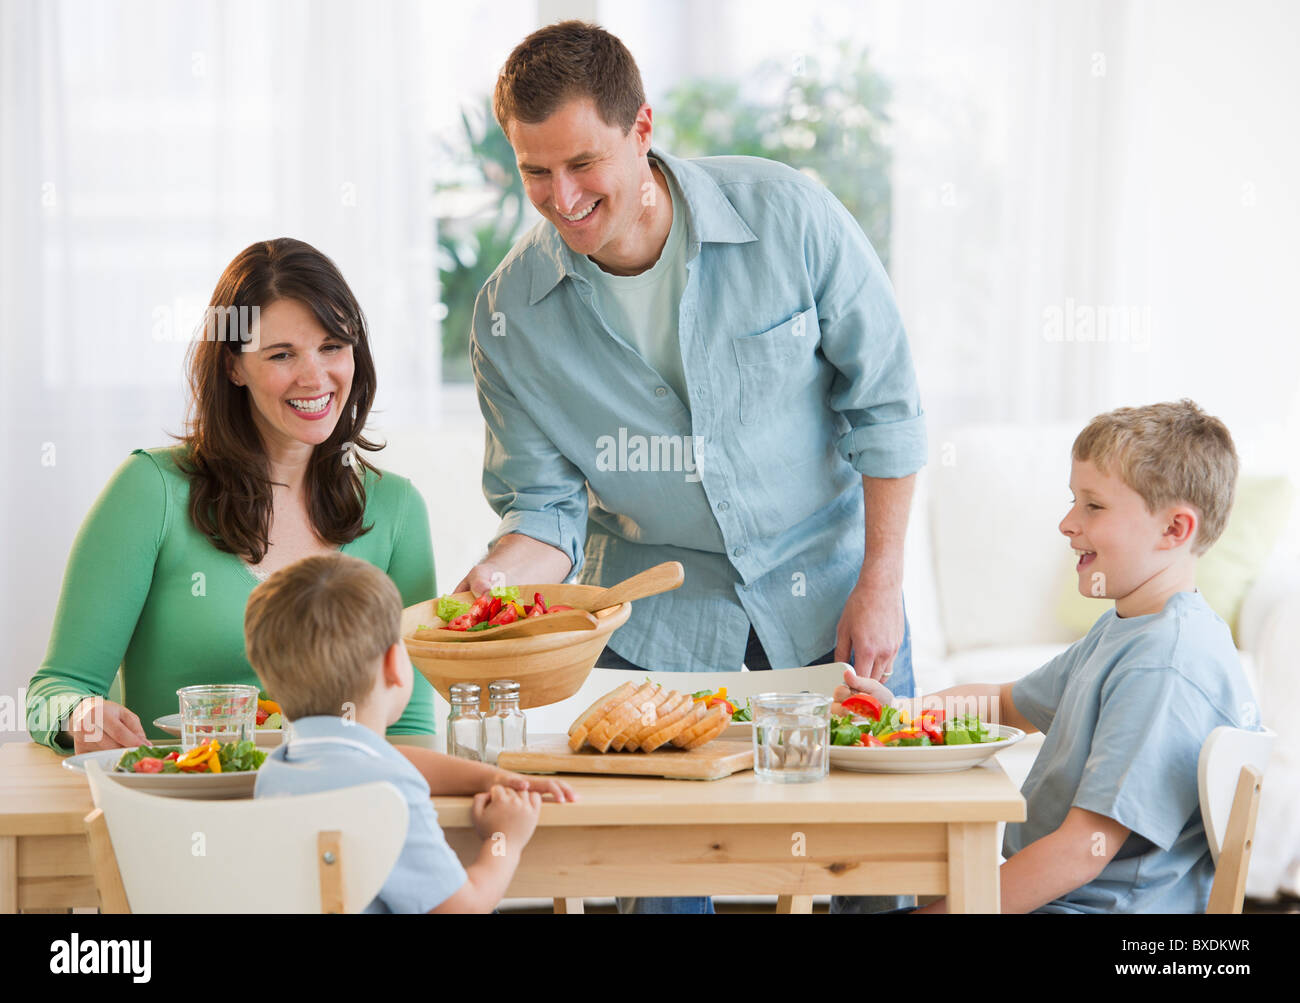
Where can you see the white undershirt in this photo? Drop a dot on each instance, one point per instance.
(643, 309)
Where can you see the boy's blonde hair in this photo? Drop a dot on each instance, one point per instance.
(1168, 453)
(313, 630)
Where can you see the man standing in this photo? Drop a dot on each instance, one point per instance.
(697, 361)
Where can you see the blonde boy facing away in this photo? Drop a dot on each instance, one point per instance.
(323, 635)
(1113, 821)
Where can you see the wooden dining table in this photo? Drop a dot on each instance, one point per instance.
(848, 834)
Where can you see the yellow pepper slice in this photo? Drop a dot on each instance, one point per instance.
(721, 694)
(199, 754)
(270, 706)
(214, 763)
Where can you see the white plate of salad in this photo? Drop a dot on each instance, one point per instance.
(871, 738)
(168, 771)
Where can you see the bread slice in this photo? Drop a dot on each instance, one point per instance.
(593, 714)
(710, 727)
(620, 716)
(647, 714)
(667, 732)
(676, 706)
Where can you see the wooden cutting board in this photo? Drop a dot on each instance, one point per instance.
(551, 754)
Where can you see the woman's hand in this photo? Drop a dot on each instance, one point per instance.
(96, 723)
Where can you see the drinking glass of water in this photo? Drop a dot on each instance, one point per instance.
(226, 713)
(792, 733)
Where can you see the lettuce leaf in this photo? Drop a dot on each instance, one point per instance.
(449, 608)
(240, 757)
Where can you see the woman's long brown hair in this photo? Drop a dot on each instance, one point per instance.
(229, 472)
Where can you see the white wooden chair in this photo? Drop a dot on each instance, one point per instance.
(329, 852)
(1228, 775)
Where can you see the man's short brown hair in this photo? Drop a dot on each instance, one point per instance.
(1168, 453)
(313, 630)
(572, 59)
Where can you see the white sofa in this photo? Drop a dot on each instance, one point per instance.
(985, 570)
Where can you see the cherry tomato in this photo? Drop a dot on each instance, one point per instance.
(863, 705)
(149, 765)
(477, 612)
(506, 614)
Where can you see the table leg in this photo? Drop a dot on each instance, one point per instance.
(973, 880)
(794, 903)
(8, 874)
(568, 907)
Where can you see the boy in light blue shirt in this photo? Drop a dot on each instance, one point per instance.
(1113, 821)
(324, 636)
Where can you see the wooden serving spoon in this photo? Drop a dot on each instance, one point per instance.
(549, 623)
(661, 578)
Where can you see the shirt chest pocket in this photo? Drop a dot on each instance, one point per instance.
(766, 361)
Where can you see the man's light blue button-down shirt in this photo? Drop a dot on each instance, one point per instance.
(800, 382)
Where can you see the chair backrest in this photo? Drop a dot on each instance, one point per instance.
(814, 678)
(252, 856)
(1222, 756)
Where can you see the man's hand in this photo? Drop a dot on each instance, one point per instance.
(871, 629)
(556, 789)
(482, 577)
(97, 724)
(514, 560)
(507, 815)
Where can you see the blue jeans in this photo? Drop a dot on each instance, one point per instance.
(901, 682)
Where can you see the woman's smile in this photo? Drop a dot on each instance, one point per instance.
(311, 408)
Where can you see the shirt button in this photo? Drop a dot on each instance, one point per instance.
(661, 391)
(723, 506)
(738, 552)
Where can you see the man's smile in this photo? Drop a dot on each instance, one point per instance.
(581, 214)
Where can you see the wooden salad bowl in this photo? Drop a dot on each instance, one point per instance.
(548, 667)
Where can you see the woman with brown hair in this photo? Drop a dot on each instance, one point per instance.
(268, 471)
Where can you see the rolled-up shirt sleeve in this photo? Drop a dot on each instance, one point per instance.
(862, 336)
(526, 479)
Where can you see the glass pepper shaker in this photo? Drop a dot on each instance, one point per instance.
(506, 727)
(465, 722)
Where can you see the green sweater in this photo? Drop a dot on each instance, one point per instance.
(144, 589)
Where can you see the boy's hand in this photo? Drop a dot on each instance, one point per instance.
(507, 815)
(556, 789)
(859, 684)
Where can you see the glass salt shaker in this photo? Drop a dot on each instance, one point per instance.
(465, 722)
(506, 727)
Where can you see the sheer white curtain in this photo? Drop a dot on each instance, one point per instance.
(142, 146)
(1090, 208)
